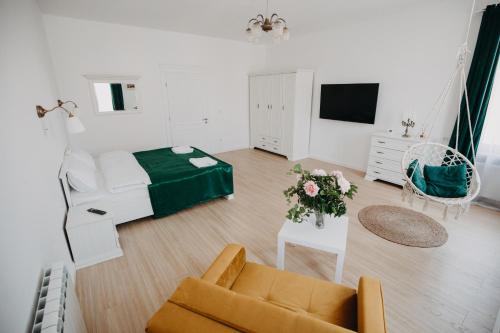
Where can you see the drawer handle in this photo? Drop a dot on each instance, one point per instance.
(381, 141)
(376, 172)
(380, 152)
(263, 145)
(378, 162)
(275, 141)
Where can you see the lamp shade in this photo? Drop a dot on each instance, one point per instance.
(74, 125)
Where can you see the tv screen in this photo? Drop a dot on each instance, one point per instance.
(349, 102)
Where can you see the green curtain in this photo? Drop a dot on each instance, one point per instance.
(117, 96)
(479, 82)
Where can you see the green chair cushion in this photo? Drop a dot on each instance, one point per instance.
(446, 181)
(417, 179)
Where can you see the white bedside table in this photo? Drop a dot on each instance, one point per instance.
(93, 238)
(332, 238)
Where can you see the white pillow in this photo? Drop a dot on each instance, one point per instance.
(81, 177)
(84, 157)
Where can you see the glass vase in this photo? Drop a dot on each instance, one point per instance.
(319, 222)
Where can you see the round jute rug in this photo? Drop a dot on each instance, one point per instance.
(403, 226)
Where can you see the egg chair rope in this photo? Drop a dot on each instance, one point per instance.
(436, 154)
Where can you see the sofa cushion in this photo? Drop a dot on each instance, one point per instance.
(333, 303)
(243, 313)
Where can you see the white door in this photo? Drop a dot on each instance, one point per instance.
(288, 98)
(255, 109)
(275, 117)
(188, 103)
(261, 110)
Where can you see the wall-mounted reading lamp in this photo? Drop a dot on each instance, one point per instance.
(73, 123)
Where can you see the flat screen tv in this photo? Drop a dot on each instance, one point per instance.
(349, 102)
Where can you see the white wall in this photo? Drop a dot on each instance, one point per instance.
(410, 51)
(81, 47)
(32, 207)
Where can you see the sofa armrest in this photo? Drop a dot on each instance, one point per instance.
(227, 266)
(245, 313)
(371, 318)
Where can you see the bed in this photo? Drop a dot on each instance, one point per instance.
(148, 183)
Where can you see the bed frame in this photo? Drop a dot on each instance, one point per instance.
(125, 207)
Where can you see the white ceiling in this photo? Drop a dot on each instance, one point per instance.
(218, 18)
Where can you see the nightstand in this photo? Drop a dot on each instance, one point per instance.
(93, 238)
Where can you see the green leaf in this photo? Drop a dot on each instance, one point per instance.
(297, 168)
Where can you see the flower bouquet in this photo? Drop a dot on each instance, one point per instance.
(319, 193)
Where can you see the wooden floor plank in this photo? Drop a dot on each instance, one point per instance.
(453, 288)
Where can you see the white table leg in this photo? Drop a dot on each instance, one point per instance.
(339, 267)
(280, 260)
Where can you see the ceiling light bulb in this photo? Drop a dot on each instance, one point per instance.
(248, 32)
(278, 30)
(286, 33)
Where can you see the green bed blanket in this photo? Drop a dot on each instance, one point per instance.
(177, 184)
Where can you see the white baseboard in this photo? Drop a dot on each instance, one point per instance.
(332, 161)
(232, 149)
(71, 270)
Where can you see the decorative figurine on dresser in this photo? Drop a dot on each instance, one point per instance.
(386, 151)
(406, 124)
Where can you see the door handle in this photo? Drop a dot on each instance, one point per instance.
(205, 120)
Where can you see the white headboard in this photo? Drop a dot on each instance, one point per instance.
(64, 178)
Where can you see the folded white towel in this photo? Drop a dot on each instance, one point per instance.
(202, 162)
(182, 150)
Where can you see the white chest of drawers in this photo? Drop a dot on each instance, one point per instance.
(386, 152)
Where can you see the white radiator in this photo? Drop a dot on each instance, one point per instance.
(58, 309)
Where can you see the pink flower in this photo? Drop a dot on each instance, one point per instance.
(311, 188)
(319, 172)
(337, 174)
(344, 184)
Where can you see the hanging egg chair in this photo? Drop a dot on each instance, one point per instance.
(438, 155)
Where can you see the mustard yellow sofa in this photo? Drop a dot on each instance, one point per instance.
(239, 296)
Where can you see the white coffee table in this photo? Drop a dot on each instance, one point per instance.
(332, 238)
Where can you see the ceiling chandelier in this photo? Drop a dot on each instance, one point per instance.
(274, 24)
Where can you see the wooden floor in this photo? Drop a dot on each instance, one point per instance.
(453, 288)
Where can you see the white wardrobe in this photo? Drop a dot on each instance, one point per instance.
(280, 112)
